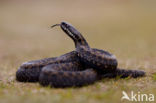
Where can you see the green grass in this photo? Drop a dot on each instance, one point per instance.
(126, 29)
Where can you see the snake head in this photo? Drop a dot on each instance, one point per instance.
(72, 33)
(69, 30)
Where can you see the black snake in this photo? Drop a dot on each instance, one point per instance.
(80, 67)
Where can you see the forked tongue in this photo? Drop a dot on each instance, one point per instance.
(55, 25)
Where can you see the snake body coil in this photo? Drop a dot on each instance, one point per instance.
(81, 67)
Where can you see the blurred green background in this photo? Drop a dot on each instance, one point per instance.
(126, 28)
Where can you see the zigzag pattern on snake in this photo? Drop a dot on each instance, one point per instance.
(80, 67)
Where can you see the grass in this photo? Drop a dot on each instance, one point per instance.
(126, 29)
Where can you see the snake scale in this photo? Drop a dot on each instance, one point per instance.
(77, 68)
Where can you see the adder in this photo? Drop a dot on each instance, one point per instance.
(77, 68)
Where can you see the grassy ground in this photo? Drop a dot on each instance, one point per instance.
(126, 29)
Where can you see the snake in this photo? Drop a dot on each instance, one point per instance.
(82, 66)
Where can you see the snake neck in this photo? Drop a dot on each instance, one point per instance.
(74, 34)
(80, 41)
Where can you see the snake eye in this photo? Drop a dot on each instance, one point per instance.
(64, 24)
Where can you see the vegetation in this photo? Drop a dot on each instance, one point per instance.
(126, 29)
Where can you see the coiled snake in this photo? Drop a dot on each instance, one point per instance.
(80, 67)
